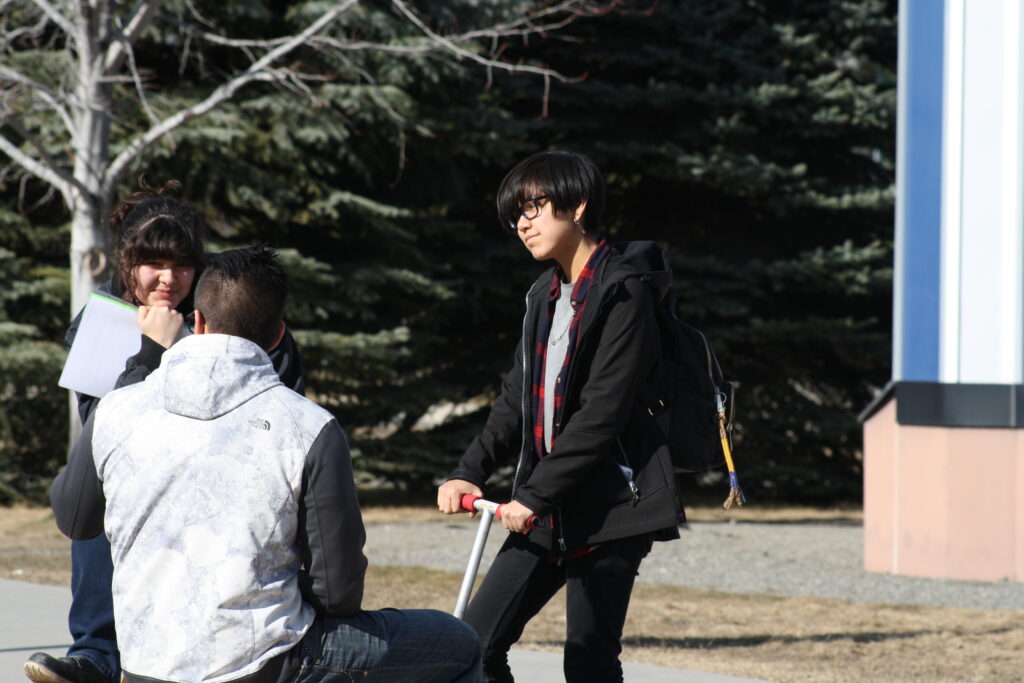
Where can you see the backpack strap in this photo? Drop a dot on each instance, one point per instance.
(660, 283)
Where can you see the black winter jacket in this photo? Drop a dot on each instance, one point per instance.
(603, 423)
(285, 357)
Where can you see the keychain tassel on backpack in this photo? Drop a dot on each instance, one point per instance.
(736, 496)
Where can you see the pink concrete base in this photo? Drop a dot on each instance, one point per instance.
(943, 502)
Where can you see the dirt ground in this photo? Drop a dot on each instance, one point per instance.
(772, 638)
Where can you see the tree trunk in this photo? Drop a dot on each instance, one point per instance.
(89, 268)
(90, 201)
(89, 260)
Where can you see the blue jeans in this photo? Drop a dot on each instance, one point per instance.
(390, 646)
(91, 618)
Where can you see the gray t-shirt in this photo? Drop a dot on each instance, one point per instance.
(558, 342)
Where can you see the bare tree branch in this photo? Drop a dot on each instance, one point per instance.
(528, 25)
(55, 16)
(55, 177)
(12, 36)
(382, 103)
(194, 11)
(218, 39)
(256, 72)
(404, 10)
(44, 156)
(297, 83)
(46, 94)
(47, 196)
(400, 121)
(142, 14)
(519, 27)
(137, 81)
(18, 77)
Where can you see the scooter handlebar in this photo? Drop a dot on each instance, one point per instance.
(469, 502)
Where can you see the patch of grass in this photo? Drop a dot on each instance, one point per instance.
(31, 547)
(768, 637)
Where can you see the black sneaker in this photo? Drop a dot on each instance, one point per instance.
(42, 668)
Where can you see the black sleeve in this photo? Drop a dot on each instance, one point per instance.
(76, 495)
(288, 363)
(502, 436)
(627, 349)
(86, 406)
(142, 364)
(331, 533)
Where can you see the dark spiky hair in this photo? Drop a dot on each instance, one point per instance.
(242, 293)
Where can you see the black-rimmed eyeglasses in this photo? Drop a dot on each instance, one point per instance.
(529, 209)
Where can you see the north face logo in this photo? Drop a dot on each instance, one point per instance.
(259, 423)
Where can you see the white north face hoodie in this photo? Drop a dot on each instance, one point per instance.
(231, 511)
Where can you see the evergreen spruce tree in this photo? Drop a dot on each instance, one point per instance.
(364, 188)
(33, 302)
(322, 176)
(755, 140)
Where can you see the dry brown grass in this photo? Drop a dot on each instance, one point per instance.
(776, 639)
(771, 638)
(31, 547)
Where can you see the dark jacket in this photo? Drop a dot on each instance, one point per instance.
(285, 357)
(603, 424)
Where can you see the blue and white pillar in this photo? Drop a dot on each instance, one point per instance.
(946, 441)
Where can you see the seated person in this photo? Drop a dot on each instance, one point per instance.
(232, 515)
(159, 252)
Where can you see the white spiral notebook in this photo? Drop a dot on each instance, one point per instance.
(107, 336)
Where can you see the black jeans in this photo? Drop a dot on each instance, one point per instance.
(523, 579)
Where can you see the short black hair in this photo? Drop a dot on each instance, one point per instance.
(566, 178)
(242, 293)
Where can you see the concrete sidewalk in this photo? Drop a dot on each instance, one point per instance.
(34, 618)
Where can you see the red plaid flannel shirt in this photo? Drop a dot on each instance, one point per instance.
(579, 301)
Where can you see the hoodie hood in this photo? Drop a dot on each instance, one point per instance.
(204, 376)
(639, 258)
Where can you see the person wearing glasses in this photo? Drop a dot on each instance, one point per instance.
(589, 459)
(158, 259)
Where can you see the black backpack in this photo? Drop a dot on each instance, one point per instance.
(690, 400)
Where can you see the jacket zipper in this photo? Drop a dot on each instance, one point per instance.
(524, 399)
(570, 376)
(628, 473)
(558, 517)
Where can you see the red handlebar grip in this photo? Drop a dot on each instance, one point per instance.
(468, 503)
(534, 522)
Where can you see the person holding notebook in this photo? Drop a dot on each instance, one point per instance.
(159, 255)
(232, 512)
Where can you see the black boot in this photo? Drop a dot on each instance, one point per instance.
(42, 668)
